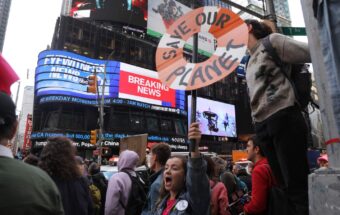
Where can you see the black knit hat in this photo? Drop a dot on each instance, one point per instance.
(7, 109)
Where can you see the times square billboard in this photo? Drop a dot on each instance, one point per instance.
(131, 12)
(64, 76)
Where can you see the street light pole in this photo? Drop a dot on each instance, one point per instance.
(101, 111)
(270, 13)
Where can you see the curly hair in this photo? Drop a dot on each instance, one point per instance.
(58, 159)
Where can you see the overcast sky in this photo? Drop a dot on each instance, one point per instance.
(31, 26)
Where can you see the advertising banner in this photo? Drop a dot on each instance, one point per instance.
(162, 14)
(129, 12)
(65, 76)
(82, 139)
(215, 118)
(146, 87)
(28, 131)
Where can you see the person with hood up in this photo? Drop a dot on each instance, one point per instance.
(120, 183)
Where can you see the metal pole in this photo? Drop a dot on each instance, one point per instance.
(270, 12)
(16, 98)
(240, 7)
(323, 184)
(101, 117)
(193, 143)
(330, 129)
(101, 111)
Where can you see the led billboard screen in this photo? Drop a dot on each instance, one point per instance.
(162, 14)
(131, 12)
(66, 76)
(216, 118)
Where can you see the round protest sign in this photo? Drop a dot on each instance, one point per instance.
(231, 34)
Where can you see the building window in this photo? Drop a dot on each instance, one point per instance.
(166, 126)
(119, 122)
(152, 124)
(72, 121)
(180, 127)
(51, 122)
(137, 122)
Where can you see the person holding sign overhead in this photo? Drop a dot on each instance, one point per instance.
(185, 188)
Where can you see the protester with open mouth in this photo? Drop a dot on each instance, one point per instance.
(185, 189)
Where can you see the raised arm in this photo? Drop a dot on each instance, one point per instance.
(197, 182)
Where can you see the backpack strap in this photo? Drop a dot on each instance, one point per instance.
(120, 199)
(272, 52)
(277, 60)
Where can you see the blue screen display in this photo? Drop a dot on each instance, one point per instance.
(67, 74)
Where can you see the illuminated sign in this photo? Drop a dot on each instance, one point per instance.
(128, 11)
(215, 118)
(110, 139)
(133, 85)
(64, 76)
(28, 131)
(162, 15)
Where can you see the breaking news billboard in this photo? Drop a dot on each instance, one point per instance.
(65, 76)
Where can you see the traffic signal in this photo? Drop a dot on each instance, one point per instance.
(92, 81)
(93, 138)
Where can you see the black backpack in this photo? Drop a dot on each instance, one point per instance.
(300, 78)
(137, 197)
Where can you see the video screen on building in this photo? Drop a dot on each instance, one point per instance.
(216, 118)
(130, 12)
(68, 77)
(162, 14)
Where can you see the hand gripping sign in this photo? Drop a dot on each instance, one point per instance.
(228, 29)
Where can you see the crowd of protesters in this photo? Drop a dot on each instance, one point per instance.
(60, 182)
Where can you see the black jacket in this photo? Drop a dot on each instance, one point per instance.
(245, 177)
(100, 181)
(75, 196)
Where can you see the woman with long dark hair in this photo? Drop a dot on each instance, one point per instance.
(185, 188)
(276, 110)
(58, 160)
(219, 195)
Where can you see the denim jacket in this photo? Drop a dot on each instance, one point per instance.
(195, 198)
(156, 179)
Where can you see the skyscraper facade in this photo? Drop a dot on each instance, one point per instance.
(4, 13)
(27, 109)
(282, 8)
(66, 7)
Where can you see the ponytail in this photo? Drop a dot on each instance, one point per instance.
(260, 29)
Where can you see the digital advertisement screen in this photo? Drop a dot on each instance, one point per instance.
(131, 12)
(162, 14)
(68, 74)
(216, 118)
